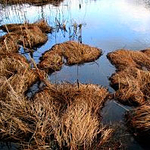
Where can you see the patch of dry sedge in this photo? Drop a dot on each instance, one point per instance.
(8, 43)
(42, 24)
(132, 78)
(128, 58)
(16, 72)
(66, 112)
(139, 121)
(73, 52)
(27, 35)
(78, 107)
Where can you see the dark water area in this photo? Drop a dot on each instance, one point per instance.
(106, 24)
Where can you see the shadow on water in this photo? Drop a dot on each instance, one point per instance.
(106, 24)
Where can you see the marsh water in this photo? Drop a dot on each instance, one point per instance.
(106, 24)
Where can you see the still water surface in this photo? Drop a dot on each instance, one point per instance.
(106, 24)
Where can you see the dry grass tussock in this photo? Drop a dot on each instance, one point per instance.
(31, 37)
(31, 2)
(132, 79)
(78, 107)
(128, 58)
(73, 52)
(132, 86)
(15, 70)
(27, 35)
(138, 120)
(8, 43)
(64, 113)
(28, 123)
(42, 24)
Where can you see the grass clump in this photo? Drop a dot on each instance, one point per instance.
(128, 58)
(27, 123)
(26, 35)
(132, 79)
(79, 116)
(8, 43)
(42, 24)
(73, 52)
(17, 72)
(65, 113)
(138, 121)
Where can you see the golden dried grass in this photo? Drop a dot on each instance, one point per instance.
(79, 107)
(51, 62)
(128, 58)
(28, 123)
(76, 53)
(80, 127)
(8, 43)
(132, 79)
(42, 24)
(27, 35)
(73, 52)
(138, 121)
(31, 37)
(11, 64)
(34, 124)
(18, 73)
(131, 85)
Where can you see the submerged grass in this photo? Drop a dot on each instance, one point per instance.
(73, 52)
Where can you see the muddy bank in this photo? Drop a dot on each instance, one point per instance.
(31, 2)
(72, 52)
(132, 79)
(65, 114)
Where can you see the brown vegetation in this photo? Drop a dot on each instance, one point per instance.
(42, 24)
(132, 78)
(78, 107)
(128, 58)
(31, 2)
(65, 112)
(27, 35)
(8, 43)
(15, 71)
(138, 121)
(73, 52)
(31, 37)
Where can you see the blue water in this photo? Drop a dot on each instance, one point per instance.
(106, 24)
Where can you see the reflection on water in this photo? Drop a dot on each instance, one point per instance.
(106, 24)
